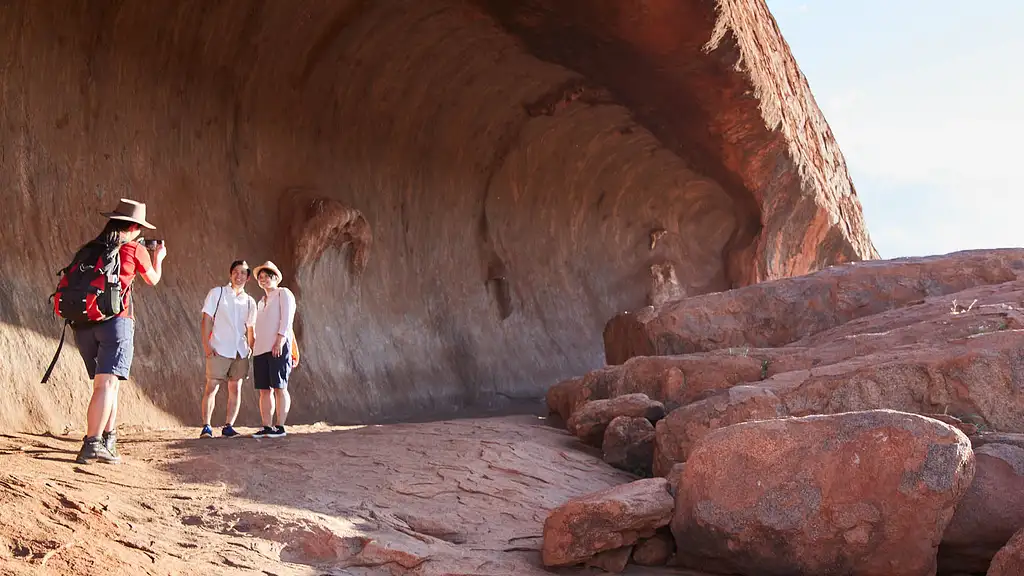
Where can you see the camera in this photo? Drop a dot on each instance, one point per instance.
(150, 244)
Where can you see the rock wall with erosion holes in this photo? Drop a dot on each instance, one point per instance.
(461, 193)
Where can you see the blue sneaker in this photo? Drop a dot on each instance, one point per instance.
(228, 431)
(207, 432)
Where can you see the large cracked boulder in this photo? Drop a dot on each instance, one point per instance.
(605, 521)
(989, 514)
(979, 378)
(679, 380)
(776, 313)
(860, 493)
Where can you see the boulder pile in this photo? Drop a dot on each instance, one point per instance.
(866, 419)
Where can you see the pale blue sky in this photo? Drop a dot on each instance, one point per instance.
(926, 99)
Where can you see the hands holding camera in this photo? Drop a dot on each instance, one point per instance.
(157, 247)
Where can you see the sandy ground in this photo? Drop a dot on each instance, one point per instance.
(454, 497)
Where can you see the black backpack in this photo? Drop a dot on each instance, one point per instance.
(89, 289)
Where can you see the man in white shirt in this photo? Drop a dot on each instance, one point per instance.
(272, 352)
(229, 318)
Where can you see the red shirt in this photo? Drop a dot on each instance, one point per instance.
(134, 260)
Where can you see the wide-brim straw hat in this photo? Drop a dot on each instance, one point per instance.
(268, 265)
(131, 211)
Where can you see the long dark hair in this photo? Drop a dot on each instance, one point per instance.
(113, 232)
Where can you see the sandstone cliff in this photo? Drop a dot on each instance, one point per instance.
(462, 193)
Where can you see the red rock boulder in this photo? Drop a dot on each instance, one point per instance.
(984, 437)
(675, 473)
(629, 444)
(655, 551)
(975, 378)
(680, 380)
(590, 421)
(779, 312)
(861, 493)
(677, 433)
(1009, 561)
(604, 521)
(989, 514)
(676, 380)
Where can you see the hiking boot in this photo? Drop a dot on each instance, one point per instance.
(228, 431)
(265, 432)
(110, 443)
(207, 432)
(278, 432)
(93, 450)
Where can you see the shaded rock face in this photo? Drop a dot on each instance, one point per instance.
(464, 191)
(654, 551)
(590, 422)
(667, 61)
(629, 444)
(611, 561)
(604, 521)
(1010, 559)
(856, 493)
(989, 514)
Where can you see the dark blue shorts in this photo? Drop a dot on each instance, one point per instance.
(107, 348)
(270, 372)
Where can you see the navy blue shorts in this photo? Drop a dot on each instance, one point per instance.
(270, 372)
(107, 348)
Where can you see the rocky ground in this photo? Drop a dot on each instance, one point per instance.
(864, 420)
(459, 497)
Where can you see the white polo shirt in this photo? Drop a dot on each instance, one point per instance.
(234, 312)
(277, 313)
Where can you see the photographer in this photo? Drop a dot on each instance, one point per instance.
(107, 347)
(229, 315)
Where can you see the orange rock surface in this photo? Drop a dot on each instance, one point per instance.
(857, 493)
(461, 192)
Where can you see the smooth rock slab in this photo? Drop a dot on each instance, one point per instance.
(859, 493)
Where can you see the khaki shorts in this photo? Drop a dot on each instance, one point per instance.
(222, 368)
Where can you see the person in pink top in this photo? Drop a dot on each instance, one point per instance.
(272, 358)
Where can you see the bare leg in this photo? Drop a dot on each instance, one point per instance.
(284, 403)
(104, 392)
(234, 401)
(112, 419)
(209, 399)
(266, 407)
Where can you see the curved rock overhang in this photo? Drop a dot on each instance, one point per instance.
(461, 192)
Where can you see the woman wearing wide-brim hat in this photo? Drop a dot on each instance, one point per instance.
(273, 349)
(107, 345)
